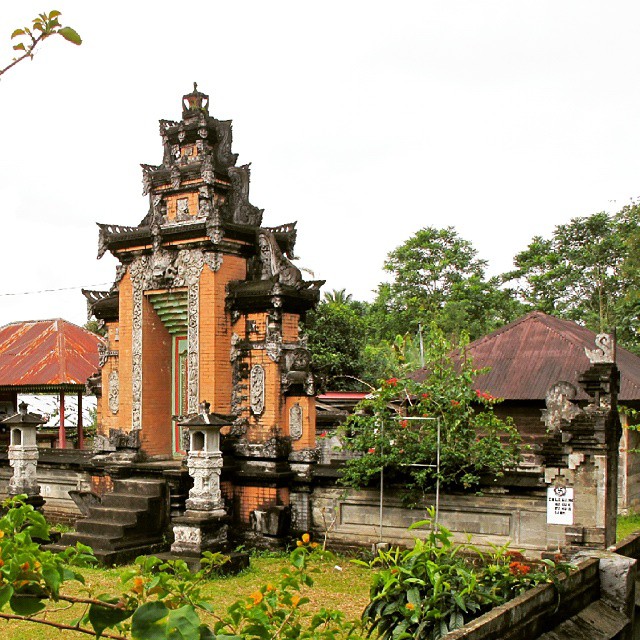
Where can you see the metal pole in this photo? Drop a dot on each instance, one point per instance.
(438, 475)
(381, 473)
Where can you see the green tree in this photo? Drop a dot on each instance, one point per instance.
(395, 427)
(437, 277)
(27, 39)
(336, 334)
(586, 271)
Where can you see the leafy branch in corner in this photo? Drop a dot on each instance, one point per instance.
(43, 26)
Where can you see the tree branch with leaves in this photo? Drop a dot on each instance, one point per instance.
(27, 39)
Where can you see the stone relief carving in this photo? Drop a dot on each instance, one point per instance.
(273, 265)
(182, 208)
(139, 270)
(297, 370)
(114, 392)
(206, 170)
(605, 351)
(256, 389)
(224, 156)
(295, 422)
(175, 175)
(242, 211)
(559, 405)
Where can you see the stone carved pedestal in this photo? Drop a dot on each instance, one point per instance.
(204, 525)
(23, 455)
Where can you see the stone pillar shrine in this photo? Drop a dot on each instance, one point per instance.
(23, 454)
(207, 303)
(581, 457)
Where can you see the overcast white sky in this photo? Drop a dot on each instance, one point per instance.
(364, 121)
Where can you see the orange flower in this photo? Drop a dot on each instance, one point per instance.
(270, 587)
(138, 585)
(298, 543)
(306, 538)
(256, 596)
(25, 566)
(410, 606)
(1, 533)
(295, 600)
(314, 545)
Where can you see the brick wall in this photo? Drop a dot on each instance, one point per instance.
(156, 384)
(215, 333)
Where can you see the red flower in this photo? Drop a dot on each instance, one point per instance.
(404, 424)
(519, 569)
(455, 403)
(372, 450)
(425, 395)
(323, 435)
(392, 382)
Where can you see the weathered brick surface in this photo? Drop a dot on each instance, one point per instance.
(156, 383)
(215, 333)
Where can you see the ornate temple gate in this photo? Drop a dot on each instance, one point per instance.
(206, 306)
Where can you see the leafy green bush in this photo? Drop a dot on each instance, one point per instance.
(160, 600)
(395, 428)
(437, 587)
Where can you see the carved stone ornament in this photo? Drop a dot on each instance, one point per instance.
(139, 270)
(103, 351)
(242, 211)
(114, 392)
(256, 389)
(559, 405)
(182, 208)
(224, 157)
(605, 351)
(175, 176)
(295, 422)
(274, 265)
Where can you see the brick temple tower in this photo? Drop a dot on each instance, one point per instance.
(206, 306)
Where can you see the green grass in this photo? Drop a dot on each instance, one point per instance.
(628, 525)
(346, 589)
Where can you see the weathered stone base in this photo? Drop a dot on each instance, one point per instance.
(197, 532)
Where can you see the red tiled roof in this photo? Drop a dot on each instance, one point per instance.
(531, 354)
(40, 353)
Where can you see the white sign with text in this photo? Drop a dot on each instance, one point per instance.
(560, 505)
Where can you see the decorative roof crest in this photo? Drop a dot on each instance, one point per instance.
(605, 353)
(194, 103)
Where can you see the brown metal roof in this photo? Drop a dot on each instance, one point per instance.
(47, 353)
(529, 355)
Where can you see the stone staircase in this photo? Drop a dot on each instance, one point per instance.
(127, 523)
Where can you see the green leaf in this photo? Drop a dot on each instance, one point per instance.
(52, 578)
(207, 634)
(19, 47)
(5, 594)
(183, 624)
(17, 32)
(102, 618)
(25, 605)
(149, 622)
(54, 14)
(70, 35)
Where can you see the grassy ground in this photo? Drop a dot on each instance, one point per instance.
(628, 525)
(345, 588)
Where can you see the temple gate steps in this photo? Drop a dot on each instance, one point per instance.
(128, 522)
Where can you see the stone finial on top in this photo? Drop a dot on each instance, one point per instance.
(194, 103)
(605, 353)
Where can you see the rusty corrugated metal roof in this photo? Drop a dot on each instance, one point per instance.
(536, 351)
(41, 353)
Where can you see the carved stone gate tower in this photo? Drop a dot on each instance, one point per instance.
(206, 305)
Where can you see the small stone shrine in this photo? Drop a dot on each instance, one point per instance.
(23, 454)
(581, 453)
(207, 303)
(203, 526)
